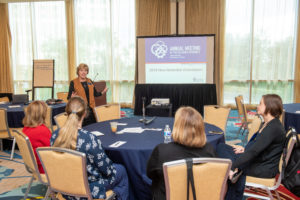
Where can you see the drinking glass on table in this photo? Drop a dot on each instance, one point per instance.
(114, 126)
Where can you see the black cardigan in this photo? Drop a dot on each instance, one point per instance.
(170, 152)
(262, 157)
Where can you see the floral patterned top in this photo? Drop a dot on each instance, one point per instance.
(100, 170)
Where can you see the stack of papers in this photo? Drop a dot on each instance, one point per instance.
(131, 130)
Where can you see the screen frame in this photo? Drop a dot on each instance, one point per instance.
(140, 71)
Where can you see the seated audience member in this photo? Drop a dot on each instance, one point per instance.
(35, 128)
(103, 174)
(189, 142)
(260, 157)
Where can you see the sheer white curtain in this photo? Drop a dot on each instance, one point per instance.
(105, 39)
(38, 32)
(260, 39)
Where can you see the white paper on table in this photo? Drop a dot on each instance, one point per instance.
(131, 130)
(97, 133)
(122, 124)
(16, 106)
(153, 129)
(298, 111)
(117, 144)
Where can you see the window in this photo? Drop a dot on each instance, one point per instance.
(38, 32)
(260, 40)
(105, 39)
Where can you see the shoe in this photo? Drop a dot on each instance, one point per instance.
(236, 176)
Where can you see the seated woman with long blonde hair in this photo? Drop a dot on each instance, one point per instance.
(189, 142)
(103, 174)
(35, 129)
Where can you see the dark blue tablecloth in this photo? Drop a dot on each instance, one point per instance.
(291, 117)
(135, 153)
(15, 115)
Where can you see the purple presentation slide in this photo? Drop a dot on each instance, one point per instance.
(175, 60)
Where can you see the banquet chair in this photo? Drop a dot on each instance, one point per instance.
(48, 120)
(65, 170)
(216, 115)
(4, 100)
(243, 114)
(5, 131)
(107, 112)
(210, 178)
(29, 160)
(254, 127)
(60, 119)
(269, 184)
(63, 96)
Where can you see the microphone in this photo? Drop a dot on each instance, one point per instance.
(95, 77)
(144, 98)
(144, 120)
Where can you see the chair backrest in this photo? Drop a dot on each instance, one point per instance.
(4, 99)
(282, 117)
(254, 126)
(65, 170)
(99, 86)
(107, 112)
(4, 123)
(290, 147)
(216, 115)
(48, 120)
(239, 100)
(27, 154)
(63, 96)
(210, 178)
(60, 119)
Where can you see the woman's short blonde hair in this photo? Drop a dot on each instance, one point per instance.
(82, 66)
(188, 128)
(35, 114)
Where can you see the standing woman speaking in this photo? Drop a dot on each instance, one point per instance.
(84, 87)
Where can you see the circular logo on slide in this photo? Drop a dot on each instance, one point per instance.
(159, 49)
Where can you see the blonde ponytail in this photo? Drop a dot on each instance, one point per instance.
(67, 136)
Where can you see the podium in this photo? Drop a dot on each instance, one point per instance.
(159, 110)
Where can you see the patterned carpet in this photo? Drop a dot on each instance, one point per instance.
(8, 169)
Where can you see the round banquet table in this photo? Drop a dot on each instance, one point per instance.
(292, 116)
(134, 154)
(15, 113)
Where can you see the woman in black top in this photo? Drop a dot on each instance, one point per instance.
(84, 87)
(189, 142)
(260, 157)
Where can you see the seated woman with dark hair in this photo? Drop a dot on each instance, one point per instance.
(189, 142)
(102, 173)
(260, 157)
(35, 129)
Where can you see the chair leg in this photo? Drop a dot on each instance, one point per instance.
(13, 149)
(47, 193)
(28, 187)
(278, 197)
(270, 194)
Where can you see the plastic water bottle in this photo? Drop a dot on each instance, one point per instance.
(167, 134)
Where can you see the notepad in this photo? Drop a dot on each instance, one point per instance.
(97, 133)
(117, 144)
